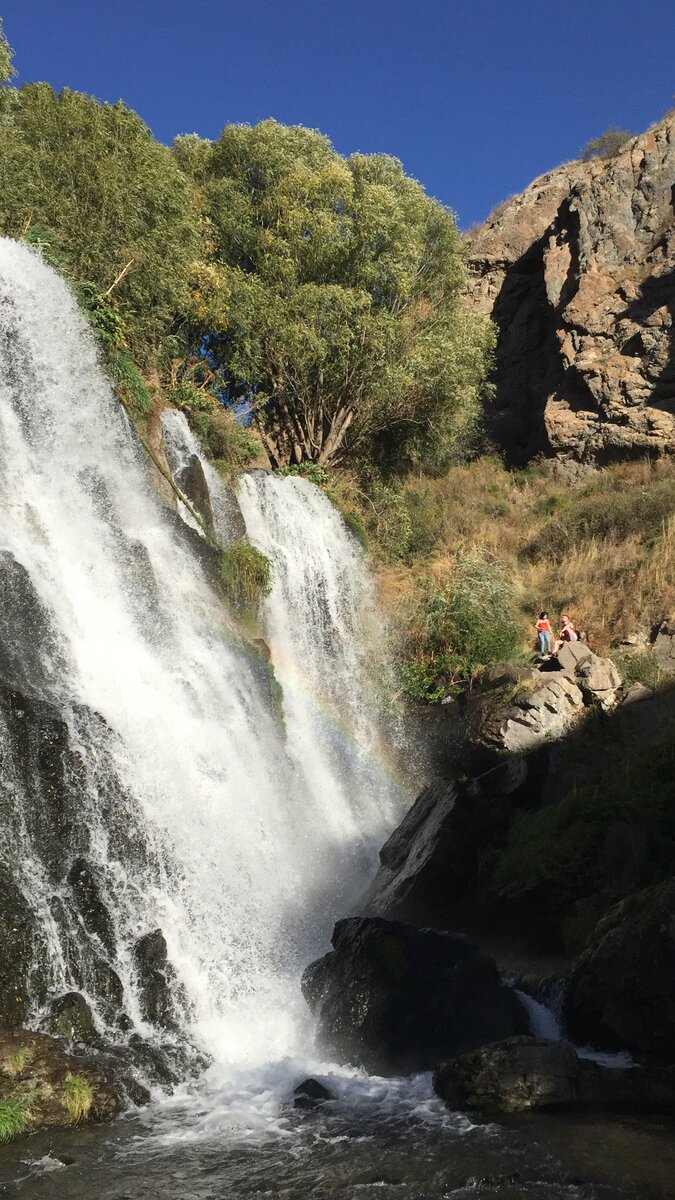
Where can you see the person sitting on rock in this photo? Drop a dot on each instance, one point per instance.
(544, 634)
(568, 633)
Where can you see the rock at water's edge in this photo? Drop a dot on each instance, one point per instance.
(394, 999)
(527, 1073)
(51, 1087)
(310, 1094)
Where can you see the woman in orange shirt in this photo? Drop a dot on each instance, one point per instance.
(544, 633)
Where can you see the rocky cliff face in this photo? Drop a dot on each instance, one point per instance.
(579, 274)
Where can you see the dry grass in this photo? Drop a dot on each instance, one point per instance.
(604, 552)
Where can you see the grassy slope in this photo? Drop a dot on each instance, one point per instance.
(604, 551)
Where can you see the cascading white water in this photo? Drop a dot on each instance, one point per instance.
(235, 849)
(183, 453)
(314, 621)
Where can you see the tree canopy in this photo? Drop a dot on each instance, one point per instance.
(89, 181)
(316, 297)
(329, 300)
(6, 68)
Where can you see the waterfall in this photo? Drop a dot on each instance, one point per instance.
(324, 660)
(171, 797)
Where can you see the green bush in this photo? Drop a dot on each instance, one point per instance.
(223, 438)
(78, 1097)
(312, 471)
(388, 522)
(246, 575)
(354, 523)
(560, 845)
(607, 145)
(130, 383)
(457, 628)
(642, 667)
(14, 1119)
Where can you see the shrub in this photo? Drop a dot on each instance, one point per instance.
(14, 1118)
(455, 628)
(642, 667)
(16, 1063)
(607, 145)
(354, 523)
(246, 575)
(223, 437)
(312, 471)
(130, 383)
(78, 1097)
(560, 845)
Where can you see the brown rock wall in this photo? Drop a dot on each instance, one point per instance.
(579, 274)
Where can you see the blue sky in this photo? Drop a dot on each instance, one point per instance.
(476, 97)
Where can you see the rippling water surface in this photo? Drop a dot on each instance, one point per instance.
(385, 1139)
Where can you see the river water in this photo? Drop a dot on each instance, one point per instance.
(379, 1140)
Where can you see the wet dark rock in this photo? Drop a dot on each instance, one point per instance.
(35, 759)
(431, 861)
(137, 1093)
(91, 906)
(70, 1017)
(527, 1073)
(38, 1067)
(153, 1062)
(20, 946)
(394, 999)
(621, 990)
(310, 1094)
(510, 1076)
(192, 482)
(30, 655)
(154, 976)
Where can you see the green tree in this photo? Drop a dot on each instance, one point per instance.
(607, 145)
(112, 206)
(6, 54)
(329, 299)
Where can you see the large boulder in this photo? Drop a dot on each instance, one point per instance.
(528, 1073)
(70, 1017)
(514, 710)
(394, 999)
(621, 990)
(577, 274)
(597, 677)
(433, 856)
(44, 1086)
(154, 974)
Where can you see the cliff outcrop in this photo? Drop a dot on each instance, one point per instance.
(578, 273)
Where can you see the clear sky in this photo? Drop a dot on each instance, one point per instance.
(476, 97)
